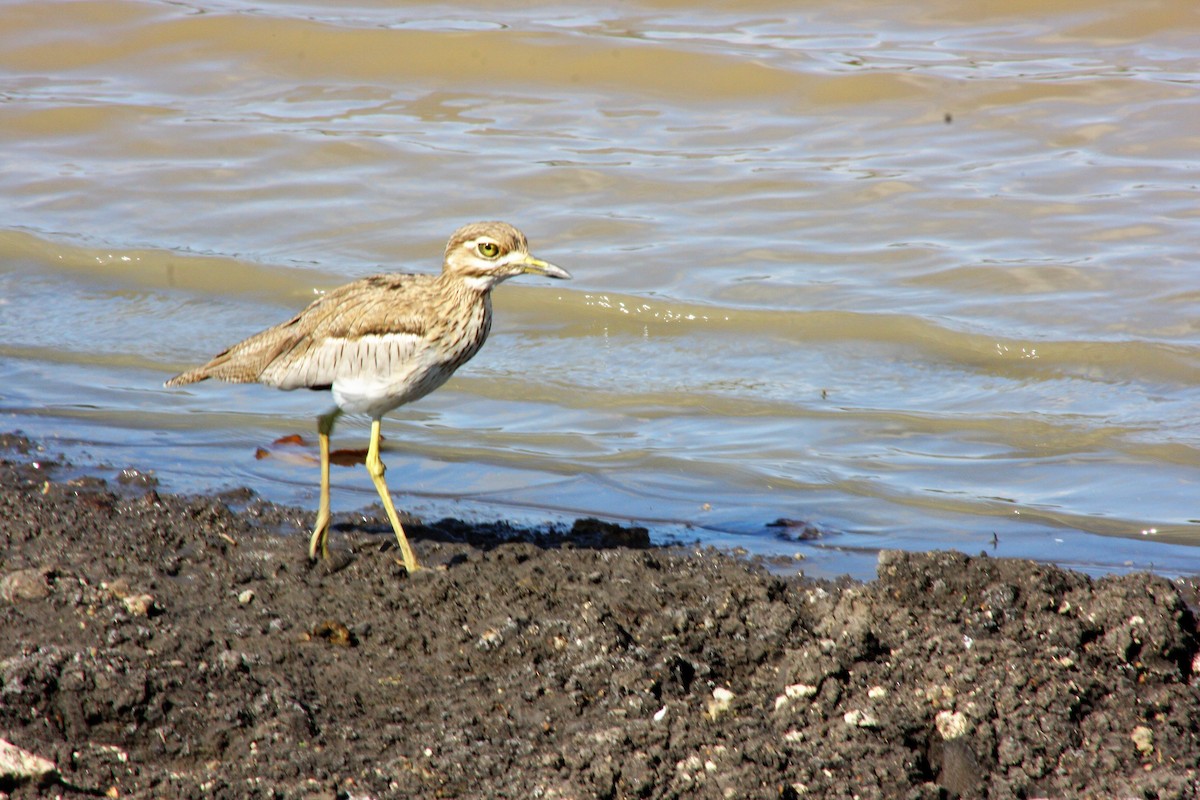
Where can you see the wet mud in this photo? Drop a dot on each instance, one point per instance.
(160, 646)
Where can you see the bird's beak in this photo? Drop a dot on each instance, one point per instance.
(535, 266)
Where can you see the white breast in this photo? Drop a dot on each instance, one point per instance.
(377, 373)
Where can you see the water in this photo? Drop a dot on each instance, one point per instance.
(919, 277)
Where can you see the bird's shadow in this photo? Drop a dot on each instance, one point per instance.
(449, 534)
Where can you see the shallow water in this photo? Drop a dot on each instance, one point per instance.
(917, 277)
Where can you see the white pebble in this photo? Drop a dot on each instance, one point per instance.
(861, 719)
(950, 724)
(721, 700)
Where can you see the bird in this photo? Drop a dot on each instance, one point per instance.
(380, 342)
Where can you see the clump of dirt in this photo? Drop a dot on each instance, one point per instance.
(161, 646)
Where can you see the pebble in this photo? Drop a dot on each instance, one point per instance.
(950, 724)
(25, 584)
(721, 700)
(489, 640)
(139, 605)
(19, 766)
(135, 477)
(333, 632)
(1143, 739)
(861, 719)
(795, 691)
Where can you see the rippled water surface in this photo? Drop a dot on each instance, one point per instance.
(915, 276)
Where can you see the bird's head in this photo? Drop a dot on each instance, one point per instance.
(485, 253)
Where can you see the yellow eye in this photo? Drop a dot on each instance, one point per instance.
(489, 249)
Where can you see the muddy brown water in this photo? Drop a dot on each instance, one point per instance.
(917, 276)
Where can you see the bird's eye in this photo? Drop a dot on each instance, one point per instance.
(489, 249)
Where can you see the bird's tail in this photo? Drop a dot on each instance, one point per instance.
(191, 376)
(244, 362)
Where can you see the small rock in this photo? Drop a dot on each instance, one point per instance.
(688, 767)
(135, 477)
(876, 692)
(722, 698)
(796, 529)
(489, 640)
(15, 441)
(861, 719)
(246, 597)
(231, 660)
(118, 588)
(25, 584)
(139, 605)
(950, 724)
(19, 766)
(334, 632)
(795, 691)
(1143, 739)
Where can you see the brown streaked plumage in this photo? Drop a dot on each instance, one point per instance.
(381, 342)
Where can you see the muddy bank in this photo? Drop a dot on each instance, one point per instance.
(158, 646)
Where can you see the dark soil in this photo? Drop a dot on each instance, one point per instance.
(173, 647)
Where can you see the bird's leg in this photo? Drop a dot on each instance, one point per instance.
(320, 535)
(376, 469)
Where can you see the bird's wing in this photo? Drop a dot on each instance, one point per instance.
(310, 349)
(245, 361)
(373, 326)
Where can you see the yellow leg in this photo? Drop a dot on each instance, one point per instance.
(376, 469)
(320, 536)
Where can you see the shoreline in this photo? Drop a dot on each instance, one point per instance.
(158, 645)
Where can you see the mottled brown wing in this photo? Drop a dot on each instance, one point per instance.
(303, 351)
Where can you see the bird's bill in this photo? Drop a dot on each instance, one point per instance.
(535, 266)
